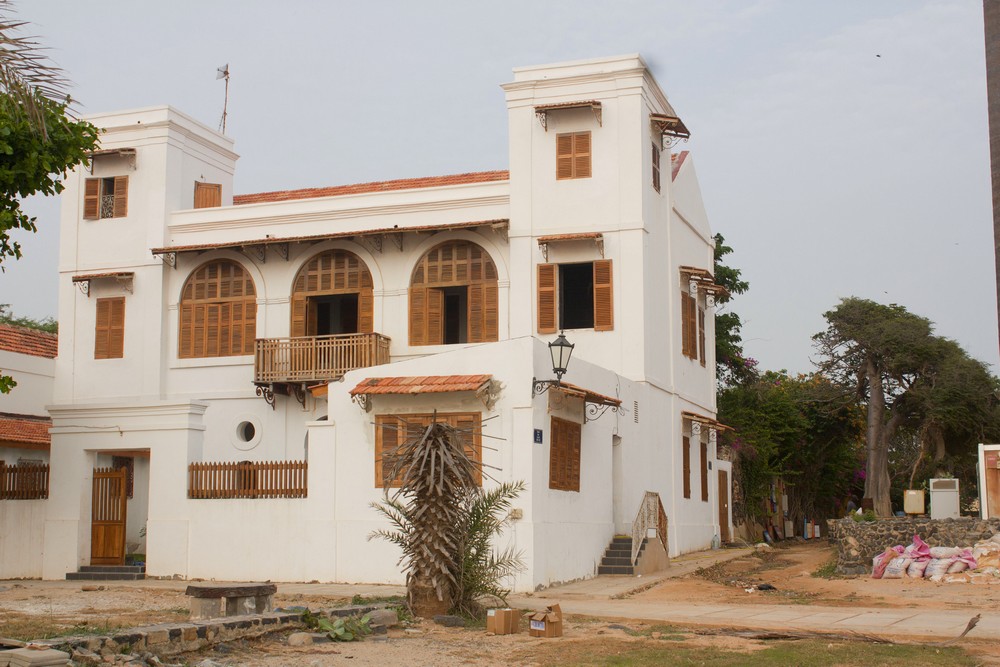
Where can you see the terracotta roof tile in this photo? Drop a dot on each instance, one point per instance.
(582, 236)
(25, 428)
(380, 186)
(428, 384)
(28, 341)
(588, 395)
(676, 161)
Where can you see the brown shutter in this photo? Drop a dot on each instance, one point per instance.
(418, 315)
(564, 156)
(701, 335)
(207, 195)
(689, 324)
(491, 312)
(564, 455)
(91, 198)
(656, 167)
(475, 314)
(687, 466)
(109, 332)
(435, 316)
(121, 196)
(470, 425)
(604, 311)
(299, 308)
(387, 429)
(547, 298)
(581, 155)
(704, 471)
(366, 311)
(312, 317)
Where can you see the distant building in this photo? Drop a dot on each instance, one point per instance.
(248, 360)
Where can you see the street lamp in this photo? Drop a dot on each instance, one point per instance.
(560, 350)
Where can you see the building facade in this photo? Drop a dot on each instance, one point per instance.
(248, 359)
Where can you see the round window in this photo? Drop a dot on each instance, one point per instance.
(246, 431)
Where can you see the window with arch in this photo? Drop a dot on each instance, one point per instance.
(453, 296)
(332, 294)
(218, 312)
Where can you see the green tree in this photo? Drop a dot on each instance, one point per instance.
(917, 387)
(48, 324)
(731, 366)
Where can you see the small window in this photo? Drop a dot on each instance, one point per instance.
(109, 333)
(704, 471)
(686, 453)
(573, 155)
(207, 195)
(105, 197)
(656, 167)
(564, 455)
(575, 296)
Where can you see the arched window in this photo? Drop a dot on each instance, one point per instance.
(332, 294)
(218, 312)
(453, 296)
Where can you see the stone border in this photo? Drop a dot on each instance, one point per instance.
(173, 638)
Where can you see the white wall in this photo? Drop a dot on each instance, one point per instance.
(22, 524)
(34, 376)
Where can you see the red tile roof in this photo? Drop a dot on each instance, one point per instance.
(588, 395)
(429, 384)
(25, 429)
(380, 186)
(582, 236)
(28, 341)
(676, 160)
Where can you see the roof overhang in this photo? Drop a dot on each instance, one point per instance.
(123, 278)
(25, 432)
(543, 110)
(373, 238)
(596, 237)
(670, 128)
(711, 423)
(703, 279)
(482, 385)
(595, 404)
(128, 153)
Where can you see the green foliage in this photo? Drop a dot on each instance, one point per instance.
(804, 429)
(345, 628)
(868, 516)
(731, 366)
(48, 324)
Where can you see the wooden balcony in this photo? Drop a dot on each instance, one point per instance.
(316, 358)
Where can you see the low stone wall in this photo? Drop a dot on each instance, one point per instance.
(858, 542)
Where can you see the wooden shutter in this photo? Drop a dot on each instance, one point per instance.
(491, 312)
(121, 196)
(109, 333)
(218, 312)
(689, 324)
(366, 311)
(564, 156)
(564, 455)
(299, 312)
(435, 316)
(475, 314)
(418, 315)
(604, 310)
(91, 198)
(656, 167)
(687, 466)
(581, 155)
(470, 424)
(701, 336)
(394, 430)
(547, 298)
(207, 195)
(704, 471)
(387, 429)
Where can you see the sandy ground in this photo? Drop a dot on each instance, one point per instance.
(36, 609)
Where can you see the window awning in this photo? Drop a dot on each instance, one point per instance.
(115, 152)
(588, 395)
(483, 386)
(542, 110)
(373, 237)
(704, 280)
(670, 128)
(706, 421)
(544, 241)
(124, 278)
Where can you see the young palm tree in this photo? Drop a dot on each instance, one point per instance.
(444, 523)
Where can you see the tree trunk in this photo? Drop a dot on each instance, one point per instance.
(424, 602)
(877, 467)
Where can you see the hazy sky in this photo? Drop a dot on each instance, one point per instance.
(842, 147)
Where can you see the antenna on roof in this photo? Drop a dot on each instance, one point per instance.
(223, 73)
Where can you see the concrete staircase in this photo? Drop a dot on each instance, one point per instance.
(618, 557)
(108, 573)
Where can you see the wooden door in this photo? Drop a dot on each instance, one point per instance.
(107, 527)
(724, 507)
(992, 475)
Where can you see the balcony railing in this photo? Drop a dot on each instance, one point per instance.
(317, 357)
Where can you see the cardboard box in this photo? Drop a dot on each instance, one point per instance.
(503, 621)
(546, 623)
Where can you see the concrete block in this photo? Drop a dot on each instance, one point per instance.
(207, 608)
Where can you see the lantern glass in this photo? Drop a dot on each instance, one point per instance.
(561, 350)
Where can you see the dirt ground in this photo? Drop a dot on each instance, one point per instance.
(38, 609)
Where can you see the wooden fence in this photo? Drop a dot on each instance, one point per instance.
(248, 479)
(24, 482)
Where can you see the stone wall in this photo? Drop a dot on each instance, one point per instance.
(858, 542)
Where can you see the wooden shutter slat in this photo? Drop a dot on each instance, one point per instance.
(418, 315)
(656, 167)
(704, 471)
(581, 155)
(689, 324)
(435, 316)
(687, 466)
(491, 312)
(366, 310)
(476, 315)
(121, 196)
(102, 328)
(604, 311)
(116, 332)
(547, 298)
(91, 198)
(701, 336)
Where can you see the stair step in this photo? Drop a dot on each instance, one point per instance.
(622, 540)
(105, 576)
(117, 569)
(615, 569)
(627, 560)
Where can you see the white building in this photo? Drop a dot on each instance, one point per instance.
(200, 329)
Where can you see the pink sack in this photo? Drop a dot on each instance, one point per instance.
(919, 550)
(880, 562)
(963, 561)
(916, 569)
